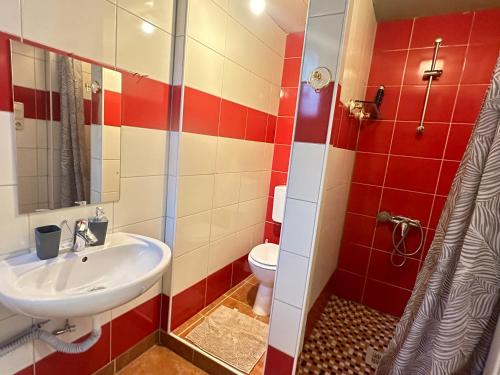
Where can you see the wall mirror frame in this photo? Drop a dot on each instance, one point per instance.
(67, 119)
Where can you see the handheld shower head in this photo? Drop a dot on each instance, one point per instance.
(384, 216)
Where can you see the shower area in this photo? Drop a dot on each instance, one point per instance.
(409, 85)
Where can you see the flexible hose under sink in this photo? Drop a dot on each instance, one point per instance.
(35, 332)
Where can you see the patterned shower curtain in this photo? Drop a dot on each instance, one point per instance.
(450, 319)
(75, 174)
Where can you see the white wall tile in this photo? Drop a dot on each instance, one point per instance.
(191, 232)
(110, 176)
(7, 149)
(27, 137)
(298, 227)
(226, 189)
(23, 71)
(111, 80)
(306, 169)
(224, 221)
(142, 47)
(207, 24)
(141, 198)
(10, 17)
(291, 278)
(138, 161)
(93, 28)
(254, 185)
(111, 142)
(22, 357)
(251, 212)
(205, 76)
(194, 194)
(189, 268)
(284, 327)
(197, 154)
(158, 12)
(13, 227)
(151, 228)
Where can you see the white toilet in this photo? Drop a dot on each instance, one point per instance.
(263, 259)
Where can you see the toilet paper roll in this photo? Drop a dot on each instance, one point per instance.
(279, 203)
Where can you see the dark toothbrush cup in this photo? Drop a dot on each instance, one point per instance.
(47, 240)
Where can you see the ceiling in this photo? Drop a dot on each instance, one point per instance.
(401, 9)
(290, 15)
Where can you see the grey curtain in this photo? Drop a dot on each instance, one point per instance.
(75, 173)
(450, 319)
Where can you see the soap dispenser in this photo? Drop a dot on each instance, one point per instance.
(98, 225)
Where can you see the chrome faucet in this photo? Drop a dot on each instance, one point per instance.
(83, 236)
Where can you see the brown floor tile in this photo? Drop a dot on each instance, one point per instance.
(138, 349)
(339, 341)
(158, 361)
(188, 323)
(252, 280)
(246, 294)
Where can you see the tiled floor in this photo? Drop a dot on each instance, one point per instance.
(158, 361)
(240, 297)
(340, 339)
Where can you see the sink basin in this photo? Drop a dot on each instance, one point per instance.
(86, 283)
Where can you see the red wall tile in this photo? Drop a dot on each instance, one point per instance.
(393, 35)
(256, 125)
(272, 232)
(218, 283)
(354, 258)
(439, 107)
(201, 112)
(407, 203)
(387, 67)
(277, 362)
(383, 238)
(358, 229)
(448, 171)
(288, 101)
(364, 199)
(112, 108)
(486, 27)
(430, 144)
(26, 371)
(382, 269)
(165, 302)
(187, 303)
(80, 364)
(384, 297)
(145, 102)
(369, 168)
(348, 285)
(281, 158)
(241, 270)
(294, 44)
(480, 62)
(469, 101)
(453, 28)
(271, 128)
(5, 74)
(233, 120)
(27, 97)
(133, 326)
(375, 136)
(389, 104)
(457, 141)
(291, 72)
(284, 130)
(313, 114)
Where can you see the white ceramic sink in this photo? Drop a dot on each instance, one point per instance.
(86, 283)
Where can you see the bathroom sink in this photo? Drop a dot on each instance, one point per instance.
(86, 283)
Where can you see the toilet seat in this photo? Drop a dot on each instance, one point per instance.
(265, 255)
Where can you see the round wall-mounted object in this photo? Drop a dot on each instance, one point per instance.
(320, 78)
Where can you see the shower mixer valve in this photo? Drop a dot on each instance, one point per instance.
(399, 247)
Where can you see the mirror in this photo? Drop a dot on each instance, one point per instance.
(67, 120)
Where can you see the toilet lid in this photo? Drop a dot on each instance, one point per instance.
(266, 253)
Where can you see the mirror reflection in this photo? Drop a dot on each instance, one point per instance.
(67, 121)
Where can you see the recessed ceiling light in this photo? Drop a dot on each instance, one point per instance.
(147, 27)
(257, 6)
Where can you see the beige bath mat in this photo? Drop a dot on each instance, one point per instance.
(231, 336)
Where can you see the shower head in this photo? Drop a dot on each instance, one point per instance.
(384, 216)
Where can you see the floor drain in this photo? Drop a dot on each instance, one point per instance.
(373, 357)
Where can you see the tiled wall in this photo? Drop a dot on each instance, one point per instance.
(228, 75)
(402, 172)
(309, 153)
(111, 34)
(284, 126)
